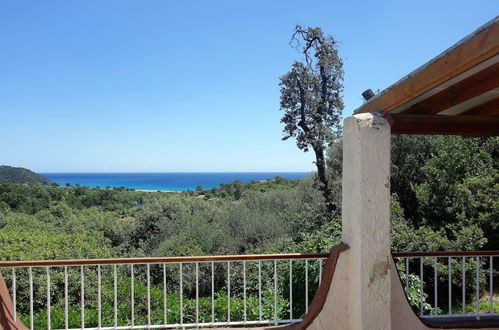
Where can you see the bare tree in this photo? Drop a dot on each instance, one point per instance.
(312, 101)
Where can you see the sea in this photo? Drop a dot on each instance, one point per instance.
(164, 181)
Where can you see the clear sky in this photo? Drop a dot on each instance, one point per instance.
(174, 86)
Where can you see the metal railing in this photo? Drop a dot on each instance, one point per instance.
(140, 293)
(450, 284)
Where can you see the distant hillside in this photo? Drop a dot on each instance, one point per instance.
(9, 174)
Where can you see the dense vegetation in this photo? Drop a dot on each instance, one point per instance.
(445, 196)
(9, 174)
(236, 218)
(445, 193)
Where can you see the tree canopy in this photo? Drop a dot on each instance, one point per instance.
(311, 99)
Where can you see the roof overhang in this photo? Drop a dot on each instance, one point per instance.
(457, 92)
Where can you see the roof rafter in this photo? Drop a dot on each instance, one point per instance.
(443, 125)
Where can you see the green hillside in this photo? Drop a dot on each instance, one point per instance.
(9, 174)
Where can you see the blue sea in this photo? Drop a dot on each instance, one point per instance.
(164, 181)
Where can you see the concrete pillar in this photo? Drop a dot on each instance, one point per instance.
(366, 219)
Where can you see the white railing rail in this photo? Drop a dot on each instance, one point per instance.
(451, 284)
(131, 293)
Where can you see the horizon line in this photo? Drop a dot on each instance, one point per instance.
(179, 172)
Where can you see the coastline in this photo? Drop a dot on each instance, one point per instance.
(165, 182)
(159, 190)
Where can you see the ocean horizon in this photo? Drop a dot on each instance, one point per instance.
(171, 181)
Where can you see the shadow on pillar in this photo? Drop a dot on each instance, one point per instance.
(319, 300)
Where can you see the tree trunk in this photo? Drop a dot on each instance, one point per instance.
(325, 187)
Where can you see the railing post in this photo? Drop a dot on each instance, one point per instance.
(366, 219)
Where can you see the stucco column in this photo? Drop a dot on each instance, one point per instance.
(366, 219)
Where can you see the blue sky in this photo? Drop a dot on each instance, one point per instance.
(190, 86)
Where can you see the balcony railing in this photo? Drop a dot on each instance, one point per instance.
(450, 284)
(140, 293)
(221, 291)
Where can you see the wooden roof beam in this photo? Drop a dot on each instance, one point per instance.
(443, 125)
(473, 86)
